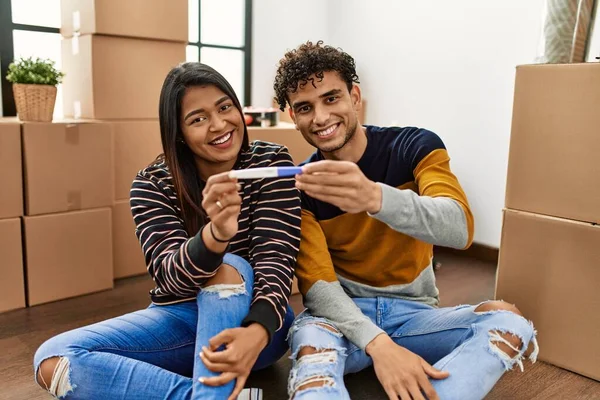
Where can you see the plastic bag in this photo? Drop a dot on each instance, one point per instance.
(565, 30)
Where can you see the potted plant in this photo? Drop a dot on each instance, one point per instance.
(34, 87)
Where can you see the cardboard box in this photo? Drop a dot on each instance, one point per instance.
(287, 135)
(149, 19)
(11, 267)
(67, 166)
(115, 78)
(68, 254)
(128, 255)
(553, 165)
(548, 267)
(11, 175)
(136, 144)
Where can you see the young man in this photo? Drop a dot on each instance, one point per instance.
(375, 201)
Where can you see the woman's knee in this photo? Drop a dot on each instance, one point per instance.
(52, 366)
(225, 275)
(233, 277)
(240, 265)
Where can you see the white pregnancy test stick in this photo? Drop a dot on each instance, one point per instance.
(265, 172)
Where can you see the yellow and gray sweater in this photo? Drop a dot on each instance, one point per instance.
(389, 253)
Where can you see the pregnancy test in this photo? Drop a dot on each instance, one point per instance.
(265, 172)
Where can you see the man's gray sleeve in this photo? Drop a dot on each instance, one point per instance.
(328, 300)
(440, 221)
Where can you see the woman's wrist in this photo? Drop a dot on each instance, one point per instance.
(210, 242)
(215, 236)
(260, 332)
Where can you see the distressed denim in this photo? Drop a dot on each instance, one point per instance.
(153, 353)
(458, 339)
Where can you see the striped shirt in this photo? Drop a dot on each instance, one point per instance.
(268, 236)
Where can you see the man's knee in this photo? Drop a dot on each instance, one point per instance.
(226, 275)
(497, 305)
(506, 342)
(510, 344)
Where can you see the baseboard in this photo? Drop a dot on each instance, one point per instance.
(478, 251)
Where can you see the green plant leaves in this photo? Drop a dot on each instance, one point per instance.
(37, 72)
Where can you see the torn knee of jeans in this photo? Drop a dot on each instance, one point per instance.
(313, 371)
(319, 323)
(492, 306)
(60, 382)
(319, 356)
(329, 327)
(510, 349)
(317, 382)
(225, 290)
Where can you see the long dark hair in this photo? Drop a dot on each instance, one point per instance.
(177, 155)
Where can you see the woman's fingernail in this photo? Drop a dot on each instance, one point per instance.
(201, 380)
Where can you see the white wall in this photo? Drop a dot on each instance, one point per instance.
(278, 26)
(443, 65)
(447, 66)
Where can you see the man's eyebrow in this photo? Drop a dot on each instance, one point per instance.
(331, 93)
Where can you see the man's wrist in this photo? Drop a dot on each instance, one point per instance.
(374, 205)
(377, 343)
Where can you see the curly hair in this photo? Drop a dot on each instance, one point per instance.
(298, 65)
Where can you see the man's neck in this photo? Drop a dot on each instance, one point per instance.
(353, 150)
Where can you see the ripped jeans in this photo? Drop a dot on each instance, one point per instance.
(153, 353)
(458, 339)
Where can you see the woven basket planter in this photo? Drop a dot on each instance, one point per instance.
(34, 102)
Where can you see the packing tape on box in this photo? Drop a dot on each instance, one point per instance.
(76, 21)
(72, 134)
(73, 200)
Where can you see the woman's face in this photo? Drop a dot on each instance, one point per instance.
(212, 128)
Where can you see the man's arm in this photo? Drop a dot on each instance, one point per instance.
(438, 214)
(323, 294)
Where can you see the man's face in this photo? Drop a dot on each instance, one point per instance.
(326, 112)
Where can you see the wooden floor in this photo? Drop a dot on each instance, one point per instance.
(461, 280)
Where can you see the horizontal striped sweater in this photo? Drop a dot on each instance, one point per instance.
(268, 236)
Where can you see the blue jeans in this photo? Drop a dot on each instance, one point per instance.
(459, 340)
(153, 353)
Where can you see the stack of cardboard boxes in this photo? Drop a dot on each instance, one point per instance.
(66, 179)
(64, 208)
(11, 209)
(116, 55)
(550, 250)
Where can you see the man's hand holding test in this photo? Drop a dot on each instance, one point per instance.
(342, 184)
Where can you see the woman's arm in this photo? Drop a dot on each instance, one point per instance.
(177, 263)
(274, 242)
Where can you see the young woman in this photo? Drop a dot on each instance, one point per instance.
(221, 253)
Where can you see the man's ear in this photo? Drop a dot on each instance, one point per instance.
(356, 96)
(293, 117)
